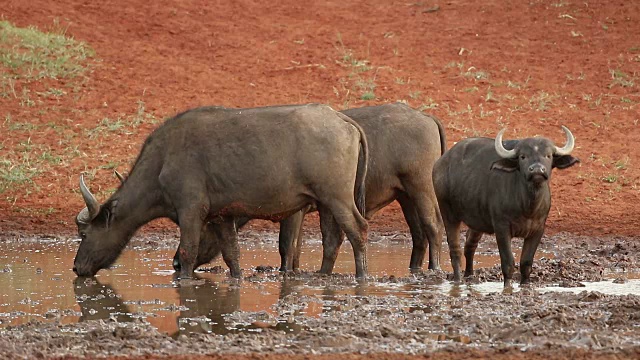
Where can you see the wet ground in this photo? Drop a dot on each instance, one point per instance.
(586, 295)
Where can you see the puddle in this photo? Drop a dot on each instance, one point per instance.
(631, 287)
(39, 285)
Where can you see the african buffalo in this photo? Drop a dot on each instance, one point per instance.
(404, 144)
(215, 163)
(498, 187)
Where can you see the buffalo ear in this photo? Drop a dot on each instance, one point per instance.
(564, 161)
(507, 165)
(109, 210)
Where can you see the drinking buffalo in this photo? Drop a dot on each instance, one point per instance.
(404, 144)
(498, 187)
(215, 163)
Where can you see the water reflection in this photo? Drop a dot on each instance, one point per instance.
(141, 285)
(206, 302)
(99, 301)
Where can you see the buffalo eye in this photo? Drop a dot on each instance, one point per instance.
(548, 156)
(522, 157)
(83, 235)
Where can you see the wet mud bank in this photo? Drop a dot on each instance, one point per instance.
(304, 313)
(527, 321)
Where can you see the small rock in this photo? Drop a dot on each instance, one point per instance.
(570, 284)
(620, 280)
(461, 339)
(262, 324)
(264, 268)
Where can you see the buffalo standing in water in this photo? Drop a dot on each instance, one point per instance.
(404, 144)
(220, 163)
(498, 187)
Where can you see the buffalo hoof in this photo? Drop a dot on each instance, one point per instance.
(525, 282)
(455, 277)
(507, 284)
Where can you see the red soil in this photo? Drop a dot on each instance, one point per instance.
(482, 65)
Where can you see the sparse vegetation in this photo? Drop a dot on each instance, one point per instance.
(59, 120)
(475, 74)
(428, 105)
(541, 101)
(618, 77)
(123, 124)
(622, 163)
(357, 80)
(29, 56)
(368, 95)
(17, 172)
(32, 54)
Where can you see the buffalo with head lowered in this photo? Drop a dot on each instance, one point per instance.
(217, 164)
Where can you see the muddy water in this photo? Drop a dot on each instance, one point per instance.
(38, 284)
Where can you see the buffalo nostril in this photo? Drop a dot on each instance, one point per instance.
(75, 270)
(538, 169)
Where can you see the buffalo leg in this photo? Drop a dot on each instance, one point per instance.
(210, 241)
(470, 246)
(419, 242)
(507, 263)
(289, 231)
(455, 253)
(227, 244)
(331, 240)
(191, 224)
(355, 227)
(452, 228)
(526, 259)
(190, 217)
(428, 215)
(217, 238)
(176, 261)
(295, 259)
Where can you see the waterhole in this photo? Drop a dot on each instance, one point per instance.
(37, 283)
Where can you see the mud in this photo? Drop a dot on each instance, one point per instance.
(477, 65)
(138, 308)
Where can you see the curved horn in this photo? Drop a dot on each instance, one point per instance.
(93, 206)
(119, 176)
(504, 153)
(568, 147)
